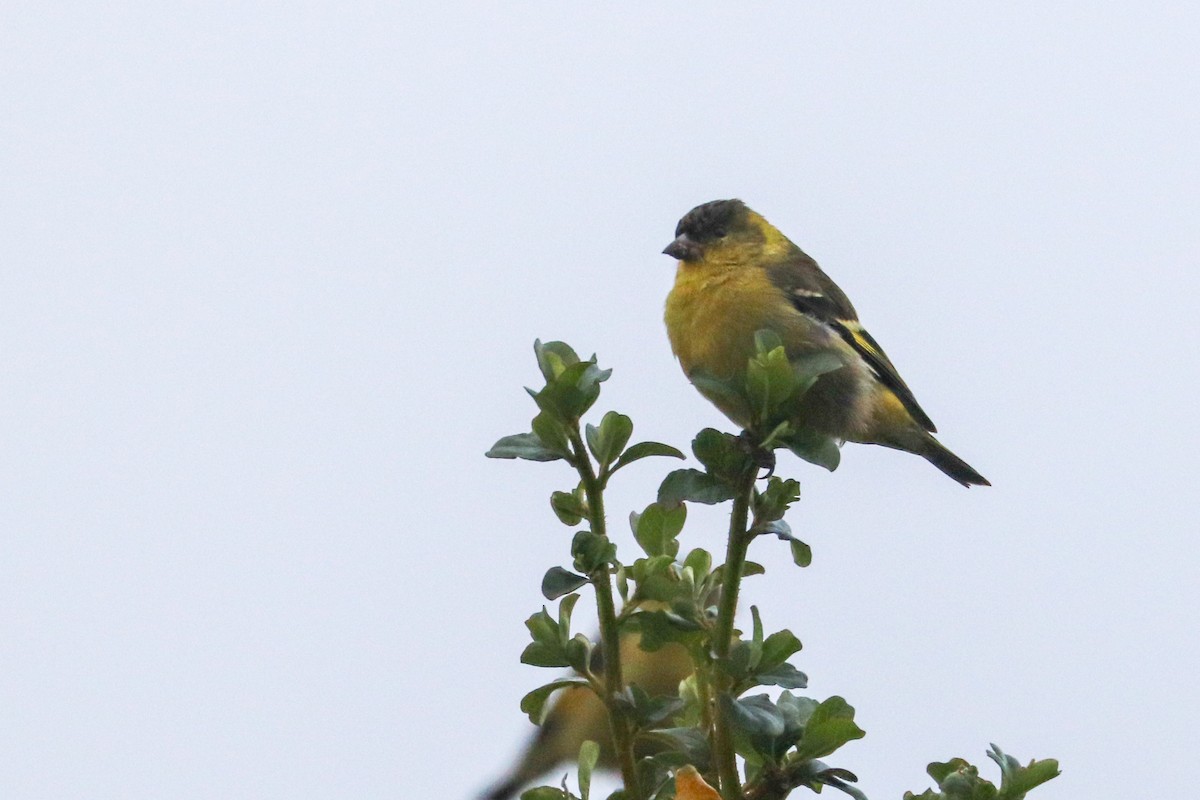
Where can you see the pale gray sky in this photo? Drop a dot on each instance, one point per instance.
(270, 276)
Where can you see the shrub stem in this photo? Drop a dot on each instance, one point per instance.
(610, 635)
(735, 562)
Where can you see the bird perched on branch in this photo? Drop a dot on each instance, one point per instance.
(738, 275)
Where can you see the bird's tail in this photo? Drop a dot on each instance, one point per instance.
(536, 760)
(502, 791)
(940, 456)
(915, 440)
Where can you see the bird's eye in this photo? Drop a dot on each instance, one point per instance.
(720, 233)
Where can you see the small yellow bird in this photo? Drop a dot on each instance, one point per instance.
(738, 275)
(578, 715)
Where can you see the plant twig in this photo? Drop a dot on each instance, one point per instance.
(735, 561)
(614, 679)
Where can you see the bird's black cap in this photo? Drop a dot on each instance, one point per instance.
(710, 220)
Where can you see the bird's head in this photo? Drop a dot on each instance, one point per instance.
(722, 232)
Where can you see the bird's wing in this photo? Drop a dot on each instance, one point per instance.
(814, 294)
(810, 290)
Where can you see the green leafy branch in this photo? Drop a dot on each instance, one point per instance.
(675, 602)
(571, 388)
(958, 780)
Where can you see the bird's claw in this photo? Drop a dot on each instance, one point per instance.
(762, 457)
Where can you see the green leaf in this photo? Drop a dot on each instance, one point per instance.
(817, 773)
(649, 712)
(526, 446)
(816, 364)
(569, 507)
(960, 781)
(830, 726)
(645, 450)
(770, 382)
(814, 448)
(579, 652)
(941, 770)
(1016, 780)
(773, 502)
(808, 368)
(1037, 773)
(549, 636)
(776, 527)
(553, 358)
(756, 639)
(778, 648)
(723, 455)
(712, 448)
(572, 392)
(589, 754)
(748, 569)
(656, 528)
(588, 386)
(592, 552)
(755, 715)
(552, 433)
(796, 712)
(766, 341)
(783, 675)
(541, 654)
(700, 561)
(566, 607)
(543, 628)
(656, 578)
(654, 773)
(591, 434)
(546, 793)
(690, 485)
(801, 553)
(609, 439)
(771, 440)
(737, 666)
(558, 581)
(691, 742)
(534, 705)
(725, 395)
(658, 628)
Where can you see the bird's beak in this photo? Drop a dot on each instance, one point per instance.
(683, 248)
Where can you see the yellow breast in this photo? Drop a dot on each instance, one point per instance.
(713, 312)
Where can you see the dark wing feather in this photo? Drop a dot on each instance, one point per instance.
(814, 294)
(810, 290)
(858, 338)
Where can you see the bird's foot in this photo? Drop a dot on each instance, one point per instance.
(763, 458)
